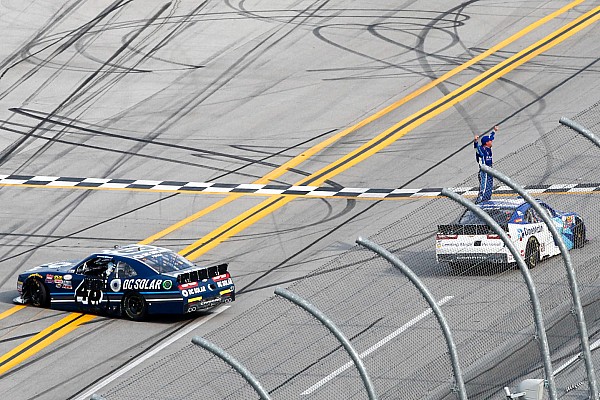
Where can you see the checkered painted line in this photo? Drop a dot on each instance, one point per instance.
(271, 189)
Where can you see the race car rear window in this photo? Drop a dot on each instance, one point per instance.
(500, 215)
(166, 261)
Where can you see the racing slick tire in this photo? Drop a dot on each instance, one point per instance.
(579, 234)
(37, 292)
(532, 253)
(134, 306)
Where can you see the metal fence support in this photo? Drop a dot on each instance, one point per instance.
(581, 325)
(579, 128)
(315, 312)
(460, 384)
(219, 352)
(535, 301)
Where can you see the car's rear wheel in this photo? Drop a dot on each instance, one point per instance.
(134, 306)
(532, 253)
(578, 234)
(37, 292)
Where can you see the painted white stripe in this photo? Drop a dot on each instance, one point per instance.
(115, 185)
(374, 195)
(158, 299)
(126, 368)
(95, 180)
(62, 183)
(376, 346)
(42, 178)
(322, 193)
(146, 182)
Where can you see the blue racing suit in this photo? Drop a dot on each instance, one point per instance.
(483, 155)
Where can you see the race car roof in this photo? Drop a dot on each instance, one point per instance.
(503, 203)
(134, 250)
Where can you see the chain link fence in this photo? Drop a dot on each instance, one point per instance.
(487, 307)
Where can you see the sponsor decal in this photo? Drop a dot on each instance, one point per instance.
(58, 280)
(36, 275)
(210, 302)
(167, 285)
(67, 285)
(569, 221)
(49, 278)
(224, 283)
(193, 291)
(19, 286)
(195, 299)
(68, 277)
(525, 231)
(115, 285)
(142, 284)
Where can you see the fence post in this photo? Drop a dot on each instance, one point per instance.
(222, 354)
(581, 325)
(535, 301)
(579, 128)
(462, 393)
(315, 312)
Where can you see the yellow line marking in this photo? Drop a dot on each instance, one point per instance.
(42, 339)
(391, 135)
(11, 311)
(282, 169)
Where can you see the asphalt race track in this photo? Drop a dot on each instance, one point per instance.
(336, 94)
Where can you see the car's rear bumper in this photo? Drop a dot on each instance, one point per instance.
(493, 258)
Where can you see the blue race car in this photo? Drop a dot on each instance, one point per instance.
(131, 281)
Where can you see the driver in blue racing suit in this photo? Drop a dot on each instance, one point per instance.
(483, 155)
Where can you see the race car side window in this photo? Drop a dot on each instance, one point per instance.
(550, 211)
(125, 270)
(531, 217)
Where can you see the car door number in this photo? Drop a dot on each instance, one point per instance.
(89, 292)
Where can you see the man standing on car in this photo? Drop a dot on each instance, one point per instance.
(483, 155)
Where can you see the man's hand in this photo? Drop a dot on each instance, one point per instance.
(476, 138)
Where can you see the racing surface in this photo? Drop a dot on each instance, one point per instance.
(323, 93)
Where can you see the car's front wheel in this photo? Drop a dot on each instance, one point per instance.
(578, 234)
(37, 292)
(134, 306)
(532, 253)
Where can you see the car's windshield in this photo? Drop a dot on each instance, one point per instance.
(166, 261)
(499, 214)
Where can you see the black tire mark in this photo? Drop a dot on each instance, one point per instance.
(114, 63)
(5, 154)
(79, 33)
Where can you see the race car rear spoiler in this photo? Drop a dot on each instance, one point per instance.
(458, 229)
(200, 274)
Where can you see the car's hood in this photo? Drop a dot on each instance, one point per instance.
(60, 266)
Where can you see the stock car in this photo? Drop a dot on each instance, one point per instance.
(130, 281)
(470, 241)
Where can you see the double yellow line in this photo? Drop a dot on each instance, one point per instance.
(46, 337)
(395, 132)
(237, 224)
(232, 227)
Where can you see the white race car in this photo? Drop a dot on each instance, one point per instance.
(469, 241)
